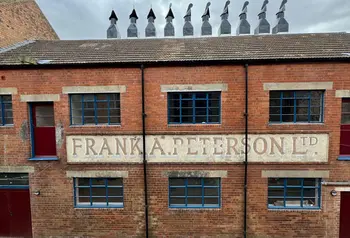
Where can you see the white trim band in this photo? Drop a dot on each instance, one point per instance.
(40, 98)
(8, 91)
(94, 89)
(196, 173)
(298, 86)
(342, 94)
(97, 174)
(295, 174)
(16, 169)
(193, 87)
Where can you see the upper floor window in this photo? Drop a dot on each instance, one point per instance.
(95, 109)
(345, 128)
(296, 106)
(194, 192)
(98, 192)
(294, 193)
(194, 108)
(6, 114)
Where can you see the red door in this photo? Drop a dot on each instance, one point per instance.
(345, 215)
(15, 216)
(44, 129)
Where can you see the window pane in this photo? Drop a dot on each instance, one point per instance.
(214, 95)
(288, 118)
(77, 120)
(76, 98)
(186, 103)
(98, 191)
(293, 202)
(187, 111)
(83, 192)
(8, 121)
(294, 182)
(102, 105)
(211, 192)
(345, 107)
(177, 201)
(186, 95)
(315, 118)
(302, 103)
(177, 191)
(211, 201)
(89, 120)
(310, 192)
(201, 112)
(177, 182)
(115, 182)
(44, 116)
(100, 97)
(97, 200)
(174, 111)
(214, 103)
(194, 181)
(102, 120)
(115, 192)
(288, 94)
(201, 119)
(276, 192)
(194, 201)
(174, 119)
(276, 182)
(302, 118)
(310, 202)
(115, 200)
(345, 119)
(187, 119)
(83, 182)
(6, 98)
(275, 94)
(211, 182)
(310, 182)
(114, 112)
(194, 191)
(97, 181)
(302, 94)
(275, 110)
(277, 202)
(201, 95)
(293, 192)
(201, 103)
(275, 102)
(275, 118)
(214, 119)
(83, 200)
(214, 111)
(114, 97)
(88, 97)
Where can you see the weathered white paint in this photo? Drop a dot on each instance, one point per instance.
(295, 174)
(196, 173)
(342, 189)
(40, 98)
(193, 87)
(8, 91)
(298, 86)
(342, 94)
(16, 169)
(94, 89)
(97, 174)
(277, 148)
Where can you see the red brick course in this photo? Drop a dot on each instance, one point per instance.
(53, 212)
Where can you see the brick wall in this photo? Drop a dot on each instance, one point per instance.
(53, 212)
(22, 20)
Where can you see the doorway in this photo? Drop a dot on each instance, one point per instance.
(344, 215)
(43, 130)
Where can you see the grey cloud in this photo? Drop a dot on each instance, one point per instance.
(88, 19)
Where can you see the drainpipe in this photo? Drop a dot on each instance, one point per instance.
(144, 146)
(246, 151)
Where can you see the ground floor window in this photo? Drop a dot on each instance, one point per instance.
(194, 192)
(294, 193)
(98, 192)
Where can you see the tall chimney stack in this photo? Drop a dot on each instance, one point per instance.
(206, 27)
(243, 26)
(169, 29)
(282, 24)
(264, 25)
(150, 30)
(132, 29)
(112, 31)
(225, 26)
(188, 27)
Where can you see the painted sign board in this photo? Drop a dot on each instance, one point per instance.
(276, 148)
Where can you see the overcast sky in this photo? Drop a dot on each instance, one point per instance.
(88, 19)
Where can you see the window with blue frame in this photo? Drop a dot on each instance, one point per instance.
(87, 109)
(294, 193)
(6, 113)
(14, 180)
(296, 106)
(98, 192)
(194, 108)
(194, 192)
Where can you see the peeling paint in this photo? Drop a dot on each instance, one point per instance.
(196, 173)
(24, 131)
(59, 134)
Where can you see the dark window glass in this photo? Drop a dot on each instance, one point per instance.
(294, 193)
(98, 192)
(194, 192)
(95, 109)
(296, 106)
(194, 108)
(6, 113)
(13, 179)
(345, 128)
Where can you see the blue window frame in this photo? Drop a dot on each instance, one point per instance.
(194, 108)
(95, 109)
(98, 192)
(194, 192)
(14, 181)
(294, 193)
(6, 113)
(296, 106)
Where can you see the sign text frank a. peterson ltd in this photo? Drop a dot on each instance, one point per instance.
(198, 148)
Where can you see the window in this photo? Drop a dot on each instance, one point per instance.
(345, 128)
(294, 193)
(6, 114)
(95, 109)
(98, 192)
(14, 180)
(296, 106)
(194, 192)
(194, 108)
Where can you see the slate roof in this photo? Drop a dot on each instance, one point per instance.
(233, 48)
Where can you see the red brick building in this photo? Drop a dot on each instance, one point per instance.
(128, 138)
(22, 20)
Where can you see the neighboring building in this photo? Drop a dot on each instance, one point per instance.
(22, 20)
(71, 139)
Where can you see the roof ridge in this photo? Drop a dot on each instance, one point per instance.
(15, 46)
